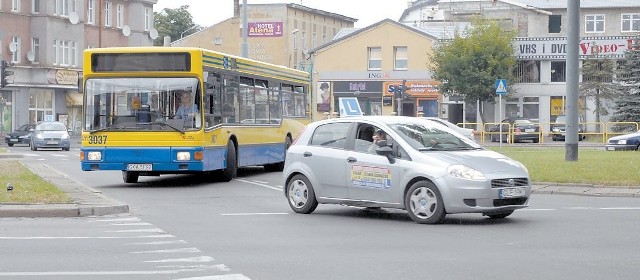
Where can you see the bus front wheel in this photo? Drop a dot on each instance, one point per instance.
(130, 176)
(230, 171)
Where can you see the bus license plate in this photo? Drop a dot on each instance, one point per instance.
(512, 192)
(139, 167)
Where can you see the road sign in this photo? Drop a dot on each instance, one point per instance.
(349, 107)
(501, 86)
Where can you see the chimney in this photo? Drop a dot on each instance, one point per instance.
(236, 8)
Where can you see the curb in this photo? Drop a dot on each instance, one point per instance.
(87, 201)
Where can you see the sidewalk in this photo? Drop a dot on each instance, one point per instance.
(87, 201)
(91, 202)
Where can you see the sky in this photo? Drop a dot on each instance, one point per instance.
(209, 12)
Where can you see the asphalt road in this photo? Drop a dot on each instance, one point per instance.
(187, 226)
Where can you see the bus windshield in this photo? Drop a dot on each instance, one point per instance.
(145, 104)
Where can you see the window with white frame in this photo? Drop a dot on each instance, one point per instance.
(594, 23)
(35, 49)
(119, 15)
(35, 6)
(375, 58)
(15, 56)
(630, 22)
(147, 19)
(401, 60)
(91, 12)
(62, 8)
(65, 52)
(107, 13)
(15, 5)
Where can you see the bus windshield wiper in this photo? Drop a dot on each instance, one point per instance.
(168, 125)
(104, 129)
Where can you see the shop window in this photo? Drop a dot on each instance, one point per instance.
(527, 71)
(558, 71)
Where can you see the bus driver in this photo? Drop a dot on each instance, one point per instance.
(187, 108)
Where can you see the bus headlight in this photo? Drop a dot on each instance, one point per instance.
(184, 156)
(94, 155)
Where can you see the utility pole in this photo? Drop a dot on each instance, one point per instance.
(573, 41)
(245, 44)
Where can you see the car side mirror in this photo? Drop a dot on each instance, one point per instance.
(384, 150)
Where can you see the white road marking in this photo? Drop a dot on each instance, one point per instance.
(81, 237)
(155, 230)
(620, 208)
(259, 184)
(218, 277)
(178, 250)
(123, 272)
(538, 209)
(128, 224)
(193, 260)
(159, 242)
(118, 220)
(252, 214)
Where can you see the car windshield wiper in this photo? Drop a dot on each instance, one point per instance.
(168, 125)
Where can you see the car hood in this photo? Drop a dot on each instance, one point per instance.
(485, 161)
(19, 133)
(626, 136)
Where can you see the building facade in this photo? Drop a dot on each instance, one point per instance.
(606, 30)
(280, 34)
(371, 64)
(43, 40)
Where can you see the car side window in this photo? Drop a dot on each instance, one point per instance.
(330, 135)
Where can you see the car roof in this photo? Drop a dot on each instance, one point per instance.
(378, 119)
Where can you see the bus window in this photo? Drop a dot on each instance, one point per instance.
(262, 102)
(230, 89)
(275, 103)
(246, 100)
(212, 100)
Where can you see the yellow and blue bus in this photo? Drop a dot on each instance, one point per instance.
(165, 110)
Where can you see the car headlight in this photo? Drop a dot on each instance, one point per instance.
(94, 155)
(622, 142)
(24, 136)
(465, 172)
(39, 136)
(183, 156)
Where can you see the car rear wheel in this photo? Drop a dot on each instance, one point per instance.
(10, 144)
(500, 215)
(130, 177)
(424, 203)
(300, 194)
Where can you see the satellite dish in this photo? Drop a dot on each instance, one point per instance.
(126, 31)
(153, 33)
(31, 56)
(13, 47)
(73, 18)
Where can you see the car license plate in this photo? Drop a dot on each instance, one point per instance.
(529, 130)
(52, 142)
(511, 192)
(139, 167)
(611, 148)
(13, 140)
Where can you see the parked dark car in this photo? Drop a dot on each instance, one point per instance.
(559, 128)
(516, 130)
(22, 135)
(625, 142)
(50, 135)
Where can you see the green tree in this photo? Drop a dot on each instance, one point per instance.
(597, 83)
(175, 23)
(627, 105)
(471, 62)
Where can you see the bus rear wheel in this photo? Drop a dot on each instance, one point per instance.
(230, 171)
(130, 176)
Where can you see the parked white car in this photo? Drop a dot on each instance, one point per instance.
(422, 167)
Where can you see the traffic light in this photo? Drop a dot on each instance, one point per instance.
(4, 73)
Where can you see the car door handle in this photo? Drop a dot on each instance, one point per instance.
(307, 154)
(351, 159)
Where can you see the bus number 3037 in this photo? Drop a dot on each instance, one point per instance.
(97, 139)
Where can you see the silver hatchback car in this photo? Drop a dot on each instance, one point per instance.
(415, 164)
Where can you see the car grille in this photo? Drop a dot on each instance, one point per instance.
(52, 139)
(504, 183)
(509, 201)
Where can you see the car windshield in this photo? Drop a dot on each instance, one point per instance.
(561, 119)
(51, 126)
(432, 137)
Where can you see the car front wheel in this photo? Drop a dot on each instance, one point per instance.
(424, 203)
(300, 194)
